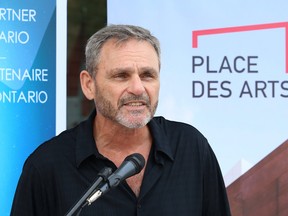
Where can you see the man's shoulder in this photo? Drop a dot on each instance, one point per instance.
(55, 149)
(183, 138)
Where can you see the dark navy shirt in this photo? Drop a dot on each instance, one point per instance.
(182, 176)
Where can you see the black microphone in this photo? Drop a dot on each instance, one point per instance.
(132, 165)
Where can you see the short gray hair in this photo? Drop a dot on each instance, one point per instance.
(121, 33)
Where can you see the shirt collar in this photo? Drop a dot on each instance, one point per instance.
(86, 147)
(160, 140)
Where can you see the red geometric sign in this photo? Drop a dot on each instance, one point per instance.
(197, 33)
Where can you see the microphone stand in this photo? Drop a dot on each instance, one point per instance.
(102, 176)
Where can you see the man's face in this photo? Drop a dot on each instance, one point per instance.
(127, 83)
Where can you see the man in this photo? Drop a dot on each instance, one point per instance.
(181, 175)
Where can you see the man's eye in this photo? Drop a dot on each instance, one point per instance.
(121, 76)
(147, 75)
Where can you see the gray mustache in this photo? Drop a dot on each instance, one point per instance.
(129, 98)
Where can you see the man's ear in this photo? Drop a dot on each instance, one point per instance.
(87, 85)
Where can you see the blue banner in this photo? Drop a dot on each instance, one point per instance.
(27, 86)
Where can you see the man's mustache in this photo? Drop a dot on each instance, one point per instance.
(129, 98)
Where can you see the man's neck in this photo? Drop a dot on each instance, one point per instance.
(114, 139)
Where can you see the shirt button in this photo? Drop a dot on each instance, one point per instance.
(139, 206)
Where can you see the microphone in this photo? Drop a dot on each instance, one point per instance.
(132, 165)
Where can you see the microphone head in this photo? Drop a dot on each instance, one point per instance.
(138, 160)
(131, 165)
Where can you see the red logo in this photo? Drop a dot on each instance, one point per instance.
(196, 34)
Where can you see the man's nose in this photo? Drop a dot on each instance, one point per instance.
(136, 86)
